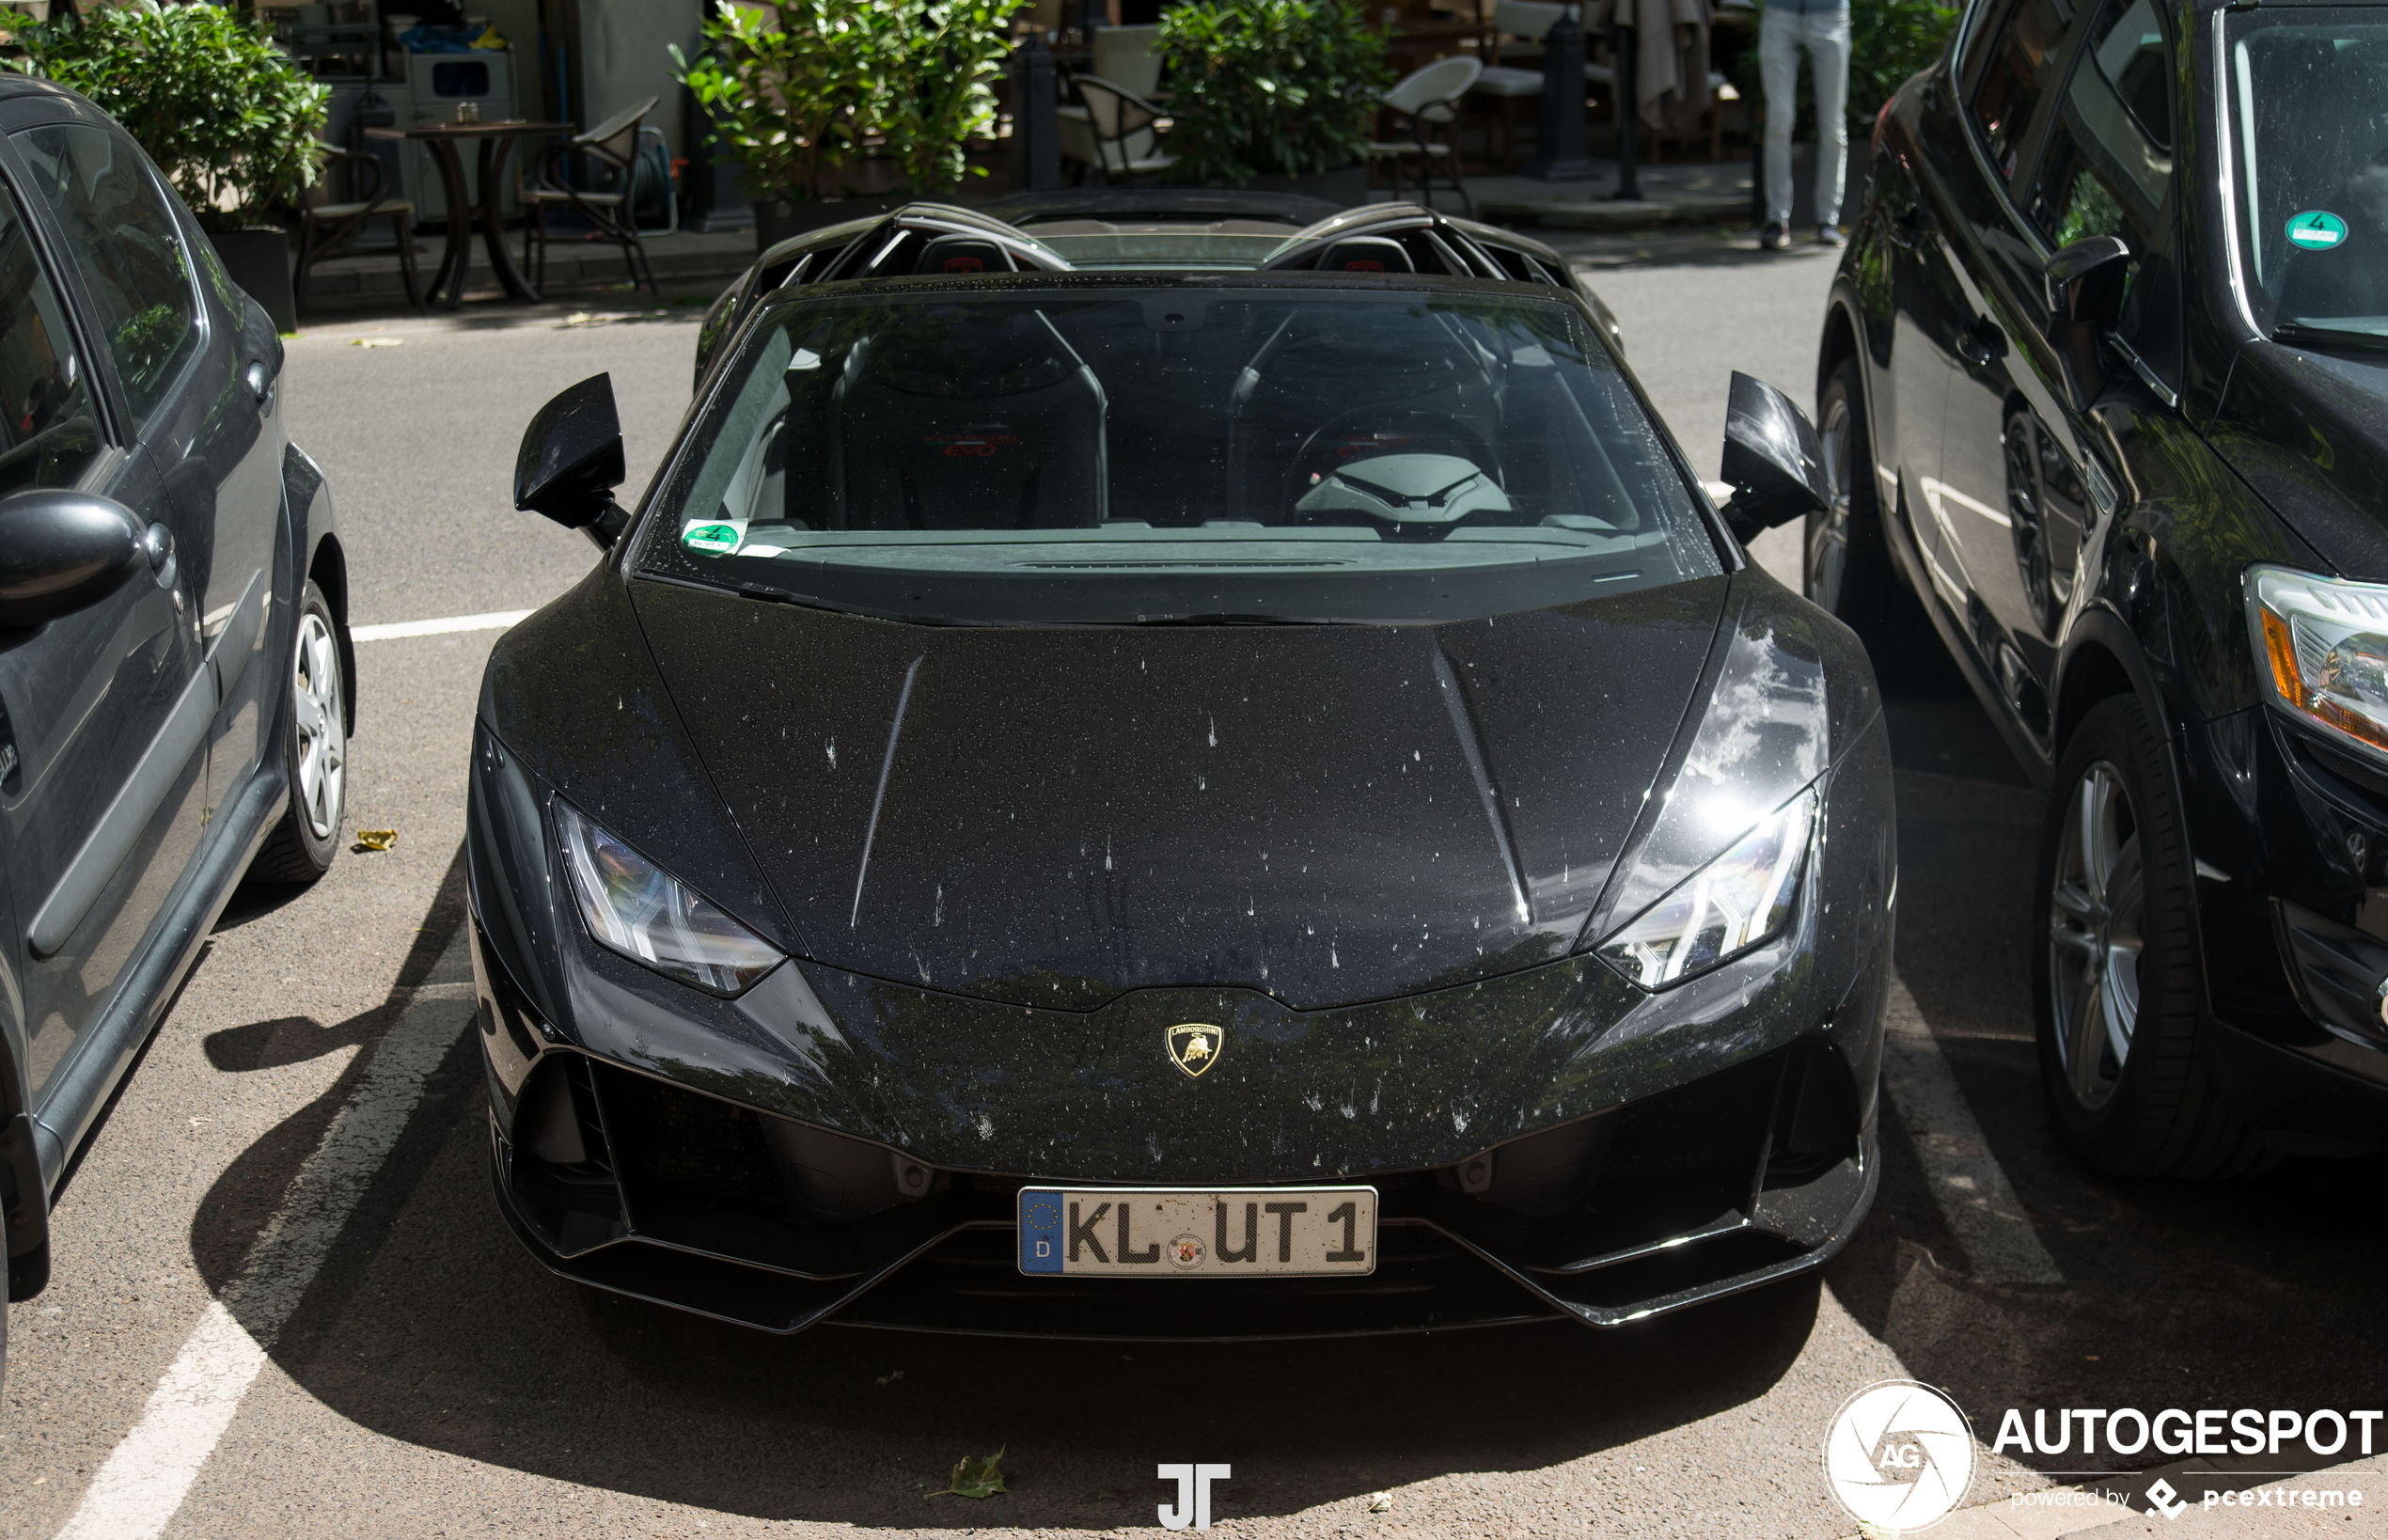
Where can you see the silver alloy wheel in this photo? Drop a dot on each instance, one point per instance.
(316, 708)
(1828, 563)
(2096, 910)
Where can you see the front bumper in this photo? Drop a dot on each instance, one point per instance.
(1755, 1172)
(1548, 1144)
(2292, 835)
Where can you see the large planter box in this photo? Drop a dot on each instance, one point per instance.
(1346, 189)
(259, 261)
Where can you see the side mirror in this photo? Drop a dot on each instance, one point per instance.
(2085, 280)
(63, 551)
(571, 459)
(1772, 460)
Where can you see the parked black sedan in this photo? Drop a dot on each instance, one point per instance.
(2102, 384)
(1177, 801)
(175, 671)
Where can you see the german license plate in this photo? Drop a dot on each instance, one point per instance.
(1197, 1232)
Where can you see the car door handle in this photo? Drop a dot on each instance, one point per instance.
(1909, 224)
(1981, 344)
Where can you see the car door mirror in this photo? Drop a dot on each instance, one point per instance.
(63, 551)
(570, 460)
(2085, 281)
(1772, 460)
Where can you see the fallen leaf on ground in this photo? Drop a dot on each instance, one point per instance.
(1380, 1502)
(378, 342)
(975, 1478)
(374, 839)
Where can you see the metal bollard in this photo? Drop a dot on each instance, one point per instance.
(1559, 141)
(1628, 113)
(1033, 120)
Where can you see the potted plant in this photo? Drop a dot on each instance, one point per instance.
(230, 120)
(810, 97)
(943, 60)
(1274, 93)
(790, 92)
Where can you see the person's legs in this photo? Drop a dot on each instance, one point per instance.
(1828, 42)
(1779, 64)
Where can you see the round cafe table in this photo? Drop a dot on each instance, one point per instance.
(498, 145)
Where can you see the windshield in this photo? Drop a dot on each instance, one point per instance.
(2310, 151)
(1117, 453)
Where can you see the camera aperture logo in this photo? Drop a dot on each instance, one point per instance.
(1899, 1455)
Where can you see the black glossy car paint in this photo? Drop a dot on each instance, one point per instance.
(1004, 859)
(155, 714)
(2216, 450)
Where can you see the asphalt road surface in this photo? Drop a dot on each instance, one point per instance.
(284, 1304)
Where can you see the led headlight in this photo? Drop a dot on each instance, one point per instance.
(635, 907)
(2323, 644)
(1736, 900)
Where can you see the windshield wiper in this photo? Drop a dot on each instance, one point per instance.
(1224, 619)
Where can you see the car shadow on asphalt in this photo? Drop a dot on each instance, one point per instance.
(2254, 1292)
(429, 1325)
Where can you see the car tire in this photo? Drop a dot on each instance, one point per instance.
(2116, 981)
(1845, 559)
(314, 752)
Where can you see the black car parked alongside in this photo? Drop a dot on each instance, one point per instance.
(2102, 384)
(1170, 772)
(175, 670)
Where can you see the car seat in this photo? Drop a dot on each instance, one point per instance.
(968, 417)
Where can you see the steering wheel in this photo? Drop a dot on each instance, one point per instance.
(1366, 433)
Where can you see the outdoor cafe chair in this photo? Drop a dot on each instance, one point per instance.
(612, 148)
(1425, 100)
(1119, 134)
(1507, 79)
(324, 227)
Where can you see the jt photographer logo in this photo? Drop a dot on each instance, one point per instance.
(1899, 1455)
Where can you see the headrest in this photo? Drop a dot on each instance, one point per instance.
(1365, 253)
(957, 255)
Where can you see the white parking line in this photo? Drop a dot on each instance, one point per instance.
(1967, 1181)
(390, 631)
(145, 1478)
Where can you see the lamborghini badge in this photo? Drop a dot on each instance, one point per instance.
(1195, 1045)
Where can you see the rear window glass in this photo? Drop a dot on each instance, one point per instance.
(1120, 454)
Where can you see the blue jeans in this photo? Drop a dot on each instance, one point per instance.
(1825, 34)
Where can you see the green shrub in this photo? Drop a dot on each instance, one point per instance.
(1264, 86)
(228, 117)
(941, 77)
(796, 94)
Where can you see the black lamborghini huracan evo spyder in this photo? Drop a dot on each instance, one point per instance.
(1167, 767)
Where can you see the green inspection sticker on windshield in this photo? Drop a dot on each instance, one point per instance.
(2318, 230)
(716, 537)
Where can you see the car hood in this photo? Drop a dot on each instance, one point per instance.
(2309, 432)
(1051, 816)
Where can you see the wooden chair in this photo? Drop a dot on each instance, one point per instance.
(1429, 99)
(324, 227)
(613, 146)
